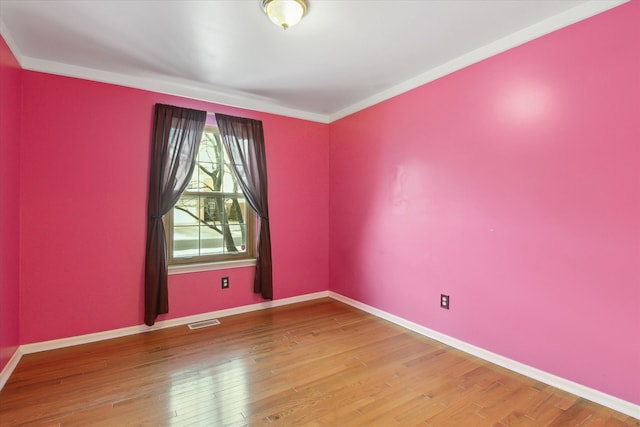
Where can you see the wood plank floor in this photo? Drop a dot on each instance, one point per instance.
(320, 363)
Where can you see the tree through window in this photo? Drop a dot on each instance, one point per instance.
(212, 220)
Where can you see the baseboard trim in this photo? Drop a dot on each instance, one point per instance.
(9, 367)
(131, 330)
(122, 332)
(596, 396)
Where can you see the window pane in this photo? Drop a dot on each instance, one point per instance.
(229, 181)
(237, 207)
(237, 234)
(212, 214)
(186, 211)
(186, 241)
(210, 241)
(211, 224)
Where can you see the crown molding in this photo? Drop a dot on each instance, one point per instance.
(267, 105)
(170, 86)
(6, 35)
(556, 22)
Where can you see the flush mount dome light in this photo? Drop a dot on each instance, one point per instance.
(285, 13)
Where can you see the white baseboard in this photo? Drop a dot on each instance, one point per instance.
(596, 396)
(115, 333)
(9, 367)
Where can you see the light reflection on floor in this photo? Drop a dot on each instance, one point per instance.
(218, 395)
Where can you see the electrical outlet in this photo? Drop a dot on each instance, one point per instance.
(225, 283)
(444, 301)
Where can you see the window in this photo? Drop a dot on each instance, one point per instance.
(211, 221)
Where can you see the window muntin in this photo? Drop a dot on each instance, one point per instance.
(212, 220)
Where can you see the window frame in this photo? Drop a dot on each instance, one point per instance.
(204, 262)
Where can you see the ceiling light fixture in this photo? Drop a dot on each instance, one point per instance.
(285, 13)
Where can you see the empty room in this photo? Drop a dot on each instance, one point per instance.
(320, 213)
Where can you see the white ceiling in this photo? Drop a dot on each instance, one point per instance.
(343, 56)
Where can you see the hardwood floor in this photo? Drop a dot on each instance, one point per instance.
(320, 363)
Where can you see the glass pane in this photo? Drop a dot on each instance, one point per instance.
(210, 241)
(186, 241)
(210, 149)
(238, 237)
(237, 208)
(209, 224)
(185, 211)
(206, 172)
(213, 210)
(229, 181)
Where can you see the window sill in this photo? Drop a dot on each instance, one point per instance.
(210, 266)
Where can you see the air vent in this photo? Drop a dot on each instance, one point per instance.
(204, 324)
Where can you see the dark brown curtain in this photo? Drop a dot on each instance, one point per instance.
(244, 141)
(176, 138)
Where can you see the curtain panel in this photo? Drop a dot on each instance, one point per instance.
(244, 141)
(176, 138)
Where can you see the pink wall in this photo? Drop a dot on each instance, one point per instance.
(513, 186)
(10, 87)
(84, 173)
